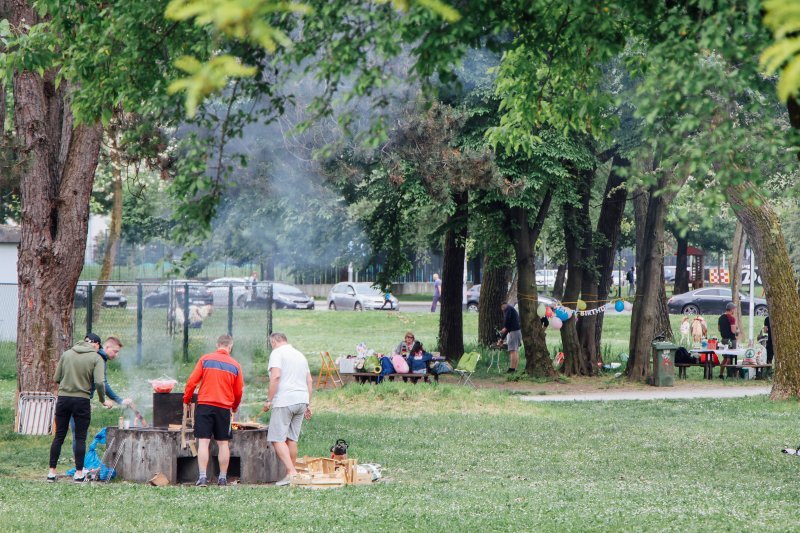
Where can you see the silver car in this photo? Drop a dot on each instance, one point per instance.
(347, 296)
(219, 289)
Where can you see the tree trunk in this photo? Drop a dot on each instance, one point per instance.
(493, 292)
(574, 361)
(737, 257)
(585, 327)
(451, 320)
(608, 228)
(115, 229)
(537, 358)
(558, 284)
(650, 316)
(681, 260)
(56, 183)
(766, 240)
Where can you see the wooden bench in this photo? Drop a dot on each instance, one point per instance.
(707, 369)
(371, 377)
(736, 368)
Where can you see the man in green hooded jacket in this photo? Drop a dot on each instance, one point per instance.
(79, 370)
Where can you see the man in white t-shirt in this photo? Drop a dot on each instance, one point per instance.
(289, 398)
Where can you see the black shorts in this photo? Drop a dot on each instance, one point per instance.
(212, 421)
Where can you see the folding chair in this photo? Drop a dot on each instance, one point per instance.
(466, 367)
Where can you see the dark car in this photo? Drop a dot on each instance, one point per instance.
(198, 294)
(283, 297)
(712, 301)
(111, 298)
(474, 296)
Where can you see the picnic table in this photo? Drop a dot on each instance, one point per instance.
(709, 364)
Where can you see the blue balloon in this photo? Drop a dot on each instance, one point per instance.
(562, 314)
(619, 306)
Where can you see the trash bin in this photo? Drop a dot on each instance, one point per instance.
(664, 364)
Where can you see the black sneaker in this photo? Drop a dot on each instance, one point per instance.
(511, 370)
(51, 478)
(202, 482)
(222, 482)
(79, 479)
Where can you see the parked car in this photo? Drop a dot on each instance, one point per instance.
(710, 301)
(111, 298)
(284, 296)
(219, 289)
(474, 295)
(198, 294)
(348, 296)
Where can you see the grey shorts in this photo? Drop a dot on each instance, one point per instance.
(514, 340)
(285, 422)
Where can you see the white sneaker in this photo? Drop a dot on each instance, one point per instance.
(285, 481)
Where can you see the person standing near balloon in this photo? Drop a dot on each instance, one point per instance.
(512, 331)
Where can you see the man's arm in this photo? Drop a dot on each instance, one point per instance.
(274, 381)
(238, 389)
(109, 392)
(99, 378)
(310, 385)
(59, 370)
(191, 383)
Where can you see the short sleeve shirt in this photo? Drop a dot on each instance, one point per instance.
(293, 385)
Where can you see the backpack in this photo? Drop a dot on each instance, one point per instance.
(441, 367)
(400, 364)
(714, 358)
(682, 356)
(386, 366)
(372, 365)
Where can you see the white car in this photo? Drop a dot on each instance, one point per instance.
(347, 296)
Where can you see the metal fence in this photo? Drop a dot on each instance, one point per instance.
(158, 325)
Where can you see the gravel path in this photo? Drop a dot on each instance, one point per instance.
(653, 394)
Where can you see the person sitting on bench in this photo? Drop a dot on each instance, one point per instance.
(418, 359)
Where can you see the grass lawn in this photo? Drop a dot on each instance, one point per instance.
(457, 459)
(454, 458)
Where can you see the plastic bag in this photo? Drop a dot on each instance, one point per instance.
(163, 384)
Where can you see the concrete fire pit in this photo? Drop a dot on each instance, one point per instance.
(140, 453)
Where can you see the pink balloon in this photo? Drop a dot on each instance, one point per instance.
(556, 323)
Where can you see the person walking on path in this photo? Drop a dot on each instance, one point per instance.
(728, 331)
(79, 370)
(437, 292)
(513, 334)
(631, 277)
(289, 398)
(221, 385)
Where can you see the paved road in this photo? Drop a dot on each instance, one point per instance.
(654, 394)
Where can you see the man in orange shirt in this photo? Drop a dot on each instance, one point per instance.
(221, 385)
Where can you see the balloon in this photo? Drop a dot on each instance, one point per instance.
(540, 311)
(562, 314)
(555, 323)
(619, 306)
(628, 306)
(581, 305)
(548, 312)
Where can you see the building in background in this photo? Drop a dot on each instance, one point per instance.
(9, 251)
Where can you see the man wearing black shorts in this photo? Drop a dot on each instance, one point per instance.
(221, 386)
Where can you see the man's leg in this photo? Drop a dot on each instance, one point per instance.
(83, 416)
(283, 453)
(63, 414)
(433, 304)
(514, 359)
(224, 457)
(202, 456)
(725, 361)
(292, 445)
